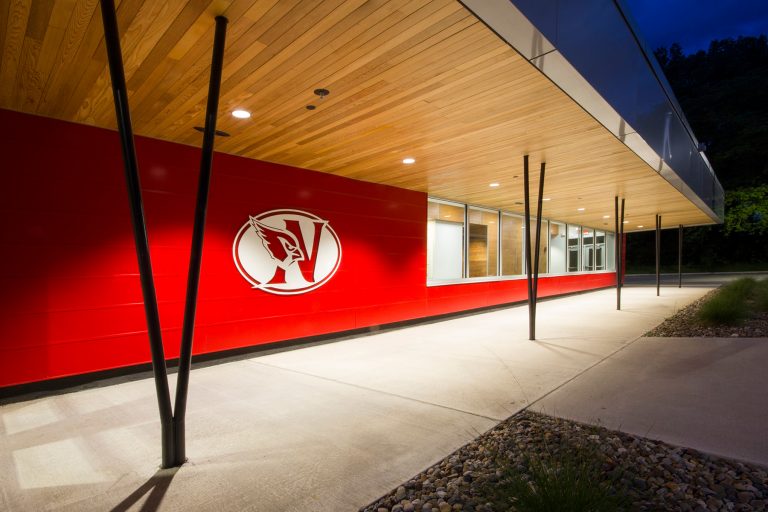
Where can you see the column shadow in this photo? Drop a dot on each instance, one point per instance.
(156, 486)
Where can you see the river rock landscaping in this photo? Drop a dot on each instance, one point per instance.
(642, 474)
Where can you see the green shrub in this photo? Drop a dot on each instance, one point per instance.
(761, 295)
(729, 306)
(571, 481)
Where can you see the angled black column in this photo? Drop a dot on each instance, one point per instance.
(120, 92)
(196, 253)
(619, 246)
(658, 254)
(532, 267)
(680, 257)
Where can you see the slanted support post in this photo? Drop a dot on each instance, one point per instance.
(680, 256)
(130, 164)
(658, 254)
(532, 267)
(619, 240)
(196, 252)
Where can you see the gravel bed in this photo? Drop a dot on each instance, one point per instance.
(652, 475)
(684, 324)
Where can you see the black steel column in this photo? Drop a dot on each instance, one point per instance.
(658, 254)
(196, 253)
(618, 257)
(537, 249)
(532, 267)
(120, 92)
(527, 203)
(680, 257)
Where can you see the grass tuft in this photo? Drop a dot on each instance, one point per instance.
(731, 305)
(572, 480)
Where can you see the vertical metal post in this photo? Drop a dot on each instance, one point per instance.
(680, 257)
(537, 249)
(617, 250)
(120, 92)
(196, 252)
(527, 203)
(658, 254)
(532, 266)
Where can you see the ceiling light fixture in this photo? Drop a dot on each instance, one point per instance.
(640, 226)
(606, 216)
(493, 185)
(547, 199)
(218, 132)
(241, 114)
(409, 160)
(580, 209)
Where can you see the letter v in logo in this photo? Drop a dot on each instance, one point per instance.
(286, 251)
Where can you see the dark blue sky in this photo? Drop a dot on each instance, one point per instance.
(694, 23)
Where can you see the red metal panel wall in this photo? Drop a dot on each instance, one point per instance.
(70, 300)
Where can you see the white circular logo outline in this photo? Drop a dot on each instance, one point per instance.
(261, 286)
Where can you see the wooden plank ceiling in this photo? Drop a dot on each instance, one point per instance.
(407, 78)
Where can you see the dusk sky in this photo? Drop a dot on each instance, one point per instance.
(694, 23)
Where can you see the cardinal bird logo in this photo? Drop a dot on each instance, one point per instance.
(286, 252)
(282, 245)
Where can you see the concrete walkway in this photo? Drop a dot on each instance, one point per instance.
(334, 426)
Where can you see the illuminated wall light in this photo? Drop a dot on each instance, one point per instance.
(241, 114)
(409, 160)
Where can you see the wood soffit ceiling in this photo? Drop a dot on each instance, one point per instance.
(418, 78)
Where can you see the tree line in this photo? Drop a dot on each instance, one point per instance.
(724, 94)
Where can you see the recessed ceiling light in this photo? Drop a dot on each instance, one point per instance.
(640, 226)
(241, 114)
(409, 160)
(447, 216)
(547, 199)
(494, 185)
(626, 222)
(606, 216)
(581, 209)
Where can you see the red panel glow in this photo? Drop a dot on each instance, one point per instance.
(71, 299)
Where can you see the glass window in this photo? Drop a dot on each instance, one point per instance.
(543, 243)
(588, 249)
(445, 241)
(483, 243)
(610, 251)
(599, 250)
(557, 247)
(573, 248)
(511, 245)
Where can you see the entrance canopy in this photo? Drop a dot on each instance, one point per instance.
(464, 93)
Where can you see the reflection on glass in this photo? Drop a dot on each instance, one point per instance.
(588, 248)
(610, 251)
(445, 241)
(557, 247)
(483, 243)
(599, 250)
(573, 248)
(542, 245)
(511, 245)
